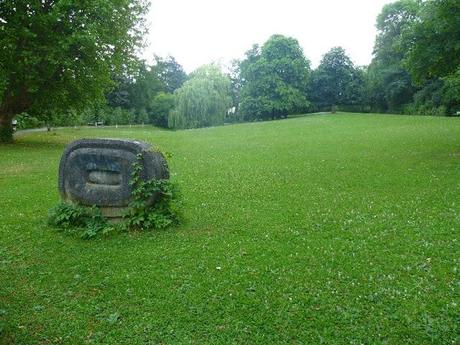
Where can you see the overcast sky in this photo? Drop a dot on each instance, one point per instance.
(203, 31)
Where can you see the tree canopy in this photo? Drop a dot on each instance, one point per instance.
(274, 79)
(61, 54)
(416, 58)
(160, 107)
(433, 43)
(390, 84)
(148, 89)
(203, 99)
(336, 81)
(170, 72)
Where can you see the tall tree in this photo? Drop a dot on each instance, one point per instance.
(160, 107)
(390, 85)
(58, 54)
(146, 86)
(203, 100)
(170, 72)
(234, 74)
(337, 81)
(433, 43)
(149, 89)
(432, 57)
(120, 95)
(274, 79)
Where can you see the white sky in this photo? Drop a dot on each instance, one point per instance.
(197, 32)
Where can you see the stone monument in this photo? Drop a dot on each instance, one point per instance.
(98, 172)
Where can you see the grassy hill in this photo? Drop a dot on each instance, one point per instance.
(334, 229)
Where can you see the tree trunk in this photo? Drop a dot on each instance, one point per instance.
(6, 128)
(12, 103)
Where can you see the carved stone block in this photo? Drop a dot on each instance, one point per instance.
(98, 172)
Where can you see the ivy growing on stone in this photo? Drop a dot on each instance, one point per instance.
(153, 202)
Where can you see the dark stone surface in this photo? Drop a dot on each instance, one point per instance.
(98, 171)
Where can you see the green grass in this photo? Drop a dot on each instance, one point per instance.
(334, 229)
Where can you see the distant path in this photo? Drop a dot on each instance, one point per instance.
(309, 114)
(22, 132)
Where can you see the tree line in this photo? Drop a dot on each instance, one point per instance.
(63, 63)
(415, 69)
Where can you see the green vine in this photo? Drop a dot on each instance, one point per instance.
(153, 202)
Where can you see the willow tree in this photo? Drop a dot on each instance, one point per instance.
(203, 100)
(60, 54)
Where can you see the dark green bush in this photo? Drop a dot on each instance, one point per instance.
(26, 121)
(161, 105)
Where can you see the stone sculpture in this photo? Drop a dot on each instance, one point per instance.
(98, 172)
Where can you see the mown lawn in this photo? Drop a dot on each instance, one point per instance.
(333, 229)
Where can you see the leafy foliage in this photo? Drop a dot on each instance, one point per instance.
(274, 80)
(58, 55)
(170, 73)
(152, 205)
(148, 90)
(203, 100)
(416, 58)
(120, 95)
(26, 121)
(433, 42)
(160, 108)
(337, 81)
(146, 86)
(72, 217)
(451, 92)
(390, 84)
(234, 75)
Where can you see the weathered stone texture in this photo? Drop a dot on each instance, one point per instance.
(98, 172)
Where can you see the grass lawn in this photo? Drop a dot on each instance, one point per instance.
(334, 229)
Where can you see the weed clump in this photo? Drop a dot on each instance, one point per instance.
(153, 202)
(73, 218)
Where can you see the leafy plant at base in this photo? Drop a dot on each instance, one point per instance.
(66, 216)
(152, 205)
